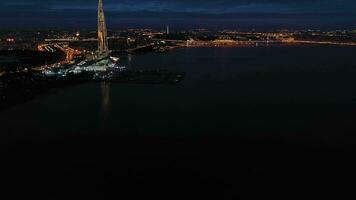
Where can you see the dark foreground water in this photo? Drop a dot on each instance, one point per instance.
(246, 122)
(18, 59)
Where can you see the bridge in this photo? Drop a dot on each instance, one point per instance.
(140, 48)
(167, 40)
(70, 53)
(71, 40)
(67, 40)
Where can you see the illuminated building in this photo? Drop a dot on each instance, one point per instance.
(100, 61)
(102, 31)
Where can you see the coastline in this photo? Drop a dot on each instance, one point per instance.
(265, 44)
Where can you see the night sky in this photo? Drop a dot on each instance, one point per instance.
(249, 14)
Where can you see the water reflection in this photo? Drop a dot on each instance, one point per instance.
(105, 102)
(129, 60)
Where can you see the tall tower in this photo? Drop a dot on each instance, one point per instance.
(102, 31)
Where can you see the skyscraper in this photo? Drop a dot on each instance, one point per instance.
(100, 60)
(102, 31)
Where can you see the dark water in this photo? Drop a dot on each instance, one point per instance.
(12, 60)
(246, 122)
(276, 90)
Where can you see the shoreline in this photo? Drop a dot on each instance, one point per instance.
(264, 44)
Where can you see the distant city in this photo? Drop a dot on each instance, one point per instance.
(135, 40)
(131, 38)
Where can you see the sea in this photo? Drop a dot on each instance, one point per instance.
(13, 60)
(246, 122)
(252, 90)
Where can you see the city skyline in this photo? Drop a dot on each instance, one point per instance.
(259, 14)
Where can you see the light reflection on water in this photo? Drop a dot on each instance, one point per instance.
(129, 60)
(105, 103)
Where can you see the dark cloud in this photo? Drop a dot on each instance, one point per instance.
(63, 11)
(191, 5)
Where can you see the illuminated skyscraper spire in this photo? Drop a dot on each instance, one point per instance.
(102, 31)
